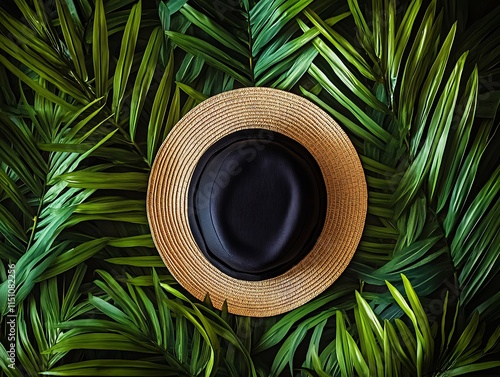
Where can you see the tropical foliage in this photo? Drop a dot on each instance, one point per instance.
(90, 89)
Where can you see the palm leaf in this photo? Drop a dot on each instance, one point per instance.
(89, 90)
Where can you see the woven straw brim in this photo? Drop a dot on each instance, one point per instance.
(167, 199)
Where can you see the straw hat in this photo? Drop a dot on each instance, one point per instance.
(258, 198)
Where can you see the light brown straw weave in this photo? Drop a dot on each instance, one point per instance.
(298, 119)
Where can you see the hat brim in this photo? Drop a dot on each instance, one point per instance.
(167, 199)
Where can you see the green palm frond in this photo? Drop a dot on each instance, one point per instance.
(413, 351)
(421, 176)
(171, 333)
(63, 140)
(37, 320)
(253, 49)
(90, 89)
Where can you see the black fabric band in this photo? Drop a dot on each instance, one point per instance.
(257, 203)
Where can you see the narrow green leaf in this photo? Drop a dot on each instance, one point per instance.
(342, 347)
(346, 122)
(56, 75)
(126, 58)
(472, 368)
(274, 23)
(357, 358)
(271, 56)
(40, 89)
(279, 330)
(74, 257)
(97, 180)
(12, 191)
(401, 39)
(466, 176)
(425, 167)
(430, 88)
(112, 367)
(301, 65)
(213, 29)
(73, 39)
(193, 93)
(493, 340)
(145, 261)
(340, 43)
(370, 316)
(29, 38)
(212, 55)
(358, 17)
(466, 338)
(476, 210)
(397, 347)
(373, 127)
(421, 319)
(122, 299)
(151, 311)
(98, 341)
(111, 311)
(347, 77)
(419, 336)
(100, 50)
(416, 69)
(159, 109)
(143, 79)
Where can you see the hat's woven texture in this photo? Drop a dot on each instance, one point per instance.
(298, 119)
